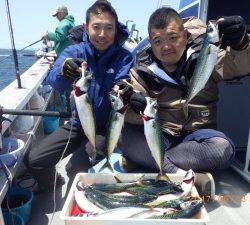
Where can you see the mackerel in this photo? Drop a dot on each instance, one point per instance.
(205, 64)
(188, 210)
(115, 125)
(153, 133)
(109, 201)
(85, 109)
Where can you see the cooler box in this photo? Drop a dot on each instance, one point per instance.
(90, 178)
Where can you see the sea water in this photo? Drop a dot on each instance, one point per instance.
(7, 67)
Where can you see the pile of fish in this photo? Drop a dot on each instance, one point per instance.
(144, 198)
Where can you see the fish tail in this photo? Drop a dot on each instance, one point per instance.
(185, 110)
(107, 165)
(163, 175)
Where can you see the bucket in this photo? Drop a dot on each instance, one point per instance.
(12, 219)
(50, 124)
(19, 203)
(12, 148)
(23, 124)
(36, 101)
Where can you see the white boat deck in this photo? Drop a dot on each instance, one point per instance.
(231, 206)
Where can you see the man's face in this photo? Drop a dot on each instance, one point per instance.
(168, 44)
(60, 15)
(101, 30)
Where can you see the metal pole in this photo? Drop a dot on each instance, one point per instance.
(13, 45)
(35, 113)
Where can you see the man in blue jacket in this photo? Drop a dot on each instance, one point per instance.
(102, 50)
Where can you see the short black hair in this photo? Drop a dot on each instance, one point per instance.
(101, 6)
(162, 17)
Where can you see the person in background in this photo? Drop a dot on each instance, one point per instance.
(76, 33)
(193, 142)
(59, 37)
(102, 51)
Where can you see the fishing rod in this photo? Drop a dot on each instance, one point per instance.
(22, 49)
(13, 45)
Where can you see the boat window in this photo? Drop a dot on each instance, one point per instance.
(189, 8)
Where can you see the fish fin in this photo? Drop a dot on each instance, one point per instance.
(139, 181)
(163, 175)
(88, 99)
(107, 165)
(117, 179)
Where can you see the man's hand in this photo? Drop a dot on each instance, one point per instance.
(138, 102)
(125, 90)
(72, 68)
(232, 29)
(45, 38)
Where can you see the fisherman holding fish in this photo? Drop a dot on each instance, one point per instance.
(175, 89)
(97, 65)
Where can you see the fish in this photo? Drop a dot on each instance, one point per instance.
(148, 186)
(115, 125)
(188, 210)
(186, 185)
(205, 64)
(175, 203)
(117, 213)
(85, 109)
(153, 134)
(109, 201)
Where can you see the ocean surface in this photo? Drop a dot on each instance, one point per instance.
(7, 68)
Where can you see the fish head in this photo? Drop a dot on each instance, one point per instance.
(212, 32)
(191, 204)
(151, 107)
(116, 100)
(86, 81)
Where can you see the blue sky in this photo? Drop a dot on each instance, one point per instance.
(32, 18)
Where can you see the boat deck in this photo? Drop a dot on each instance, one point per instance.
(231, 206)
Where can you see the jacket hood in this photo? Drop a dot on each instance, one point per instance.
(121, 37)
(70, 18)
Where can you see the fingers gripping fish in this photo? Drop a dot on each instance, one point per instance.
(205, 64)
(85, 109)
(153, 133)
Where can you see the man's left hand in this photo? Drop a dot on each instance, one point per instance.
(125, 89)
(232, 29)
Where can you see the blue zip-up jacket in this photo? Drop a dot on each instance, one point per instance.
(108, 67)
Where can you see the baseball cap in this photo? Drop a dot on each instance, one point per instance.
(61, 8)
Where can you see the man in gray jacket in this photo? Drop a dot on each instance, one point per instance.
(193, 142)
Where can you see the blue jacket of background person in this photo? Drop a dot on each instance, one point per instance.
(108, 67)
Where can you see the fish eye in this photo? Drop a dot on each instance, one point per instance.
(209, 29)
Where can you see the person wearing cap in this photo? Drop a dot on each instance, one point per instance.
(102, 53)
(59, 37)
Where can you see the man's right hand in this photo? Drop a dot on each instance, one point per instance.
(138, 102)
(71, 68)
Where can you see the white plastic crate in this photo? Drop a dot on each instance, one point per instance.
(91, 178)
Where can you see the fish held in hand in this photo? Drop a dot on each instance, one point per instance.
(205, 64)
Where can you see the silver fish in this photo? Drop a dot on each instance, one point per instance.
(153, 133)
(205, 64)
(85, 109)
(115, 125)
